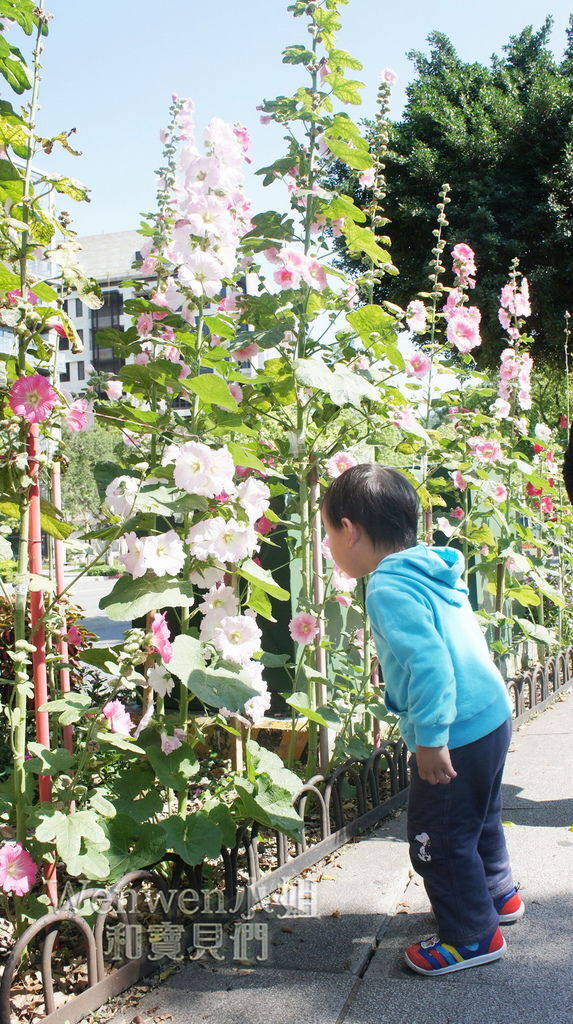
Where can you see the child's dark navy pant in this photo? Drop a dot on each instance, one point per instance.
(457, 842)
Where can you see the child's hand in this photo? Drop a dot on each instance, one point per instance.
(434, 765)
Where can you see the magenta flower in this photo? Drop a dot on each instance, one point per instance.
(418, 365)
(463, 329)
(458, 513)
(17, 869)
(144, 325)
(161, 637)
(464, 264)
(73, 636)
(32, 398)
(78, 415)
(118, 718)
(13, 297)
(303, 628)
(459, 481)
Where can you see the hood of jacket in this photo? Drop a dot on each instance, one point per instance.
(437, 569)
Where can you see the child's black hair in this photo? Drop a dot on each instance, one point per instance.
(378, 498)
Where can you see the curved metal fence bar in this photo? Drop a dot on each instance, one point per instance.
(530, 691)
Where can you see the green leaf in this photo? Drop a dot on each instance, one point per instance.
(260, 603)
(52, 524)
(195, 838)
(133, 845)
(363, 240)
(219, 688)
(547, 589)
(80, 841)
(358, 159)
(349, 388)
(245, 457)
(524, 594)
(68, 187)
(224, 820)
(48, 762)
(297, 55)
(534, 631)
(344, 206)
(131, 598)
(262, 578)
(72, 707)
(323, 715)
(372, 324)
(102, 805)
(120, 742)
(345, 89)
(136, 793)
(211, 389)
(175, 769)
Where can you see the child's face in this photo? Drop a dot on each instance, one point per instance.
(351, 548)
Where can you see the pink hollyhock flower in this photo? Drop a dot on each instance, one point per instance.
(367, 178)
(463, 330)
(287, 277)
(78, 415)
(501, 408)
(444, 526)
(389, 76)
(495, 492)
(563, 422)
(533, 491)
(144, 325)
(242, 355)
(342, 581)
(303, 628)
(13, 296)
(113, 389)
(338, 463)
(459, 481)
(464, 264)
(547, 505)
(458, 513)
(358, 640)
(161, 637)
(315, 275)
(264, 526)
(171, 743)
(73, 636)
(452, 303)
(17, 869)
(516, 563)
(538, 448)
(416, 315)
(32, 398)
(236, 391)
(325, 548)
(403, 418)
(343, 599)
(484, 450)
(118, 718)
(418, 365)
(237, 639)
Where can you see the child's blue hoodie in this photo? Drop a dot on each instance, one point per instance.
(437, 669)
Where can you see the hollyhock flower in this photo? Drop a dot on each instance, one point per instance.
(543, 432)
(264, 526)
(233, 540)
(113, 389)
(532, 490)
(303, 628)
(73, 636)
(237, 639)
(242, 355)
(325, 548)
(389, 76)
(403, 418)
(367, 178)
(32, 398)
(256, 707)
(159, 679)
(164, 553)
(17, 869)
(547, 505)
(485, 450)
(134, 559)
(452, 303)
(201, 538)
(254, 496)
(79, 415)
(236, 391)
(219, 603)
(463, 329)
(201, 274)
(171, 743)
(342, 581)
(457, 513)
(496, 492)
(418, 365)
(444, 526)
(501, 408)
(202, 470)
(516, 563)
(120, 495)
(118, 719)
(416, 315)
(287, 277)
(338, 463)
(563, 422)
(161, 637)
(459, 481)
(343, 599)
(464, 264)
(144, 324)
(13, 296)
(207, 577)
(315, 275)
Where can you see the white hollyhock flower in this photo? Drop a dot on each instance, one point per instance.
(158, 677)
(237, 638)
(134, 559)
(202, 470)
(234, 541)
(208, 577)
(201, 537)
(164, 553)
(120, 495)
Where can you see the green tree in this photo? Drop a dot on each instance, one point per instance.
(83, 450)
(502, 136)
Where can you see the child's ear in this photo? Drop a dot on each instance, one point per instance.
(351, 530)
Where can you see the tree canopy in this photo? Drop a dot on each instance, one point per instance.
(502, 136)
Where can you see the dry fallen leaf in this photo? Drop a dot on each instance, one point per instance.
(335, 913)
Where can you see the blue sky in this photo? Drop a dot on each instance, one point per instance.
(110, 69)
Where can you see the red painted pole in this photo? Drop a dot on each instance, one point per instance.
(62, 644)
(38, 635)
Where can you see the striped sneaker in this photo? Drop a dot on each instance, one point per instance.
(432, 957)
(510, 906)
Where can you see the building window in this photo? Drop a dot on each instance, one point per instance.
(63, 344)
(109, 315)
(65, 372)
(65, 305)
(80, 334)
(81, 370)
(79, 307)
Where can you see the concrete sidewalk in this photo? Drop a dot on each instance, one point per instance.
(345, 965)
